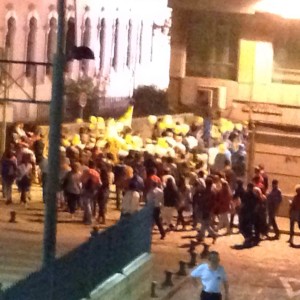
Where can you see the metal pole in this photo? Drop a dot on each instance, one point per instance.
(56, 105)
(4, 108)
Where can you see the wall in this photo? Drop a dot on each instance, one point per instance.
(114, 82)
(255, 67)
(133, 283)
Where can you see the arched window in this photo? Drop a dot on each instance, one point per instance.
(116, 39)
(152, 42)
(70, 39)
(31, 46)
(86, 39)
(10, 37)
(141, 43)
(129, 39)
(102, 42)
(51, 43)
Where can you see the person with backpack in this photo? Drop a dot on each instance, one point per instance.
(8, 173)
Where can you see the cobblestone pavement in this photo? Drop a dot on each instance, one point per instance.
(269, 271)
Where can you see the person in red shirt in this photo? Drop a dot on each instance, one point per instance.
(294, 214)
(223, 205)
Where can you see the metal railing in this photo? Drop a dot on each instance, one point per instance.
(75, 275)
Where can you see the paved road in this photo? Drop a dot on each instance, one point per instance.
(269, 271)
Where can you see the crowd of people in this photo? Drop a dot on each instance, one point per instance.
(197, 181)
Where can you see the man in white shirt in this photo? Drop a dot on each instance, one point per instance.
(212, 275)
(130, 201)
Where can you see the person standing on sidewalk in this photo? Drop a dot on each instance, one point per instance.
(155, 197)
(274, 198)
(294, 214)
(212, 275)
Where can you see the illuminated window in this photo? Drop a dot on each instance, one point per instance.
(86, 39)
(31, 47)
(102, 42)
(129, 41)
(116, 45)
(51, 43)
(212, 46)
(10, 37)
(286, 45)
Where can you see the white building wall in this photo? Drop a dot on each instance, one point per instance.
(115, 82)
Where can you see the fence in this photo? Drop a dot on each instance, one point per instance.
(75, 275)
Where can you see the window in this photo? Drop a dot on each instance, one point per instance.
(86, 39)
(31, 47)
(286, 61)
(129, 41)
(212, 46)
(70, 40)
(102, 42)
(10, 37)
(51, 43)
(116, 45)
(141, 43)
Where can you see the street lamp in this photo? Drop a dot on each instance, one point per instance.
(56, 105)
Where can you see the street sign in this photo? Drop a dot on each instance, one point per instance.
(82, 100)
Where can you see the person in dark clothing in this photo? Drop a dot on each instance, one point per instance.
(171, 198)
(294, 214)
(237, 196)
(274, 198)
(103, 194)
(8, 174)
(207, 205)
(247, 214)
(38, 149)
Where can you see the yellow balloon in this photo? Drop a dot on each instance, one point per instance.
(92, 126)
(93, 119)
(239, 126)
(162, 126)
(168, 120)
(185, 128)
(198, 120)
(152, 119)
(162, 143)
(76, 140)
(79, 121)
(177, 129)
(119, 126)
(100, 120)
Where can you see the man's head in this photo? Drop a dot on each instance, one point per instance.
(214, 258)
(275, 184)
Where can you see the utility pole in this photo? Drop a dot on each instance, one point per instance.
(4, 104)
(56, 105)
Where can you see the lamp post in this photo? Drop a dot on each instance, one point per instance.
(56, 107)
(49, 246)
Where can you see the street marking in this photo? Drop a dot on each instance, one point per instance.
(286, 282)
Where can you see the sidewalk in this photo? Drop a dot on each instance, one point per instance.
(21, 242)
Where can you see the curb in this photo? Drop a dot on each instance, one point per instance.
(174, 289)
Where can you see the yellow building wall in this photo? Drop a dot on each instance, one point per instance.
(255, 76)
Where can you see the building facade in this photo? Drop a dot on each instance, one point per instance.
(240, 54)
(130, 41)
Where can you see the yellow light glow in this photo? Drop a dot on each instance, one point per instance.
(288, 9)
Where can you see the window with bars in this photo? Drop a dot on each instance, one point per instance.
(10, 38)
(51, 43)
(86, 40)
(102, 42)
(129, 45)
(116, 44)
(31, 47)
